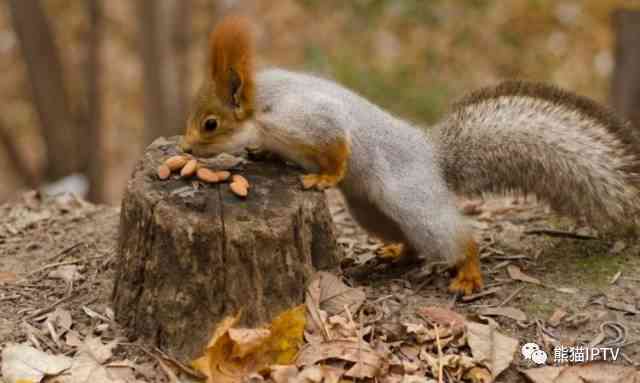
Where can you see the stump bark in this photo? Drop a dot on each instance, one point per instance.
(190, 254)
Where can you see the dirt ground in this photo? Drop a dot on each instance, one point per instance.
(545, 280)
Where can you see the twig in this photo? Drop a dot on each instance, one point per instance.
(49, 266)
(473, 297)
(48, 308)
(439, 345)
(511, 296)
(64, 251)
(314, 310)
(560, 234)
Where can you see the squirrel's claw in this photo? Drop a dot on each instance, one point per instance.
(391, 252)
(319, 181)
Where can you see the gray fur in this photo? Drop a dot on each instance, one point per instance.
(400, 181)
(532, 138)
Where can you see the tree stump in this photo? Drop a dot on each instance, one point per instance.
(190, 254)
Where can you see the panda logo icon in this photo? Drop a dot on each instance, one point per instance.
(539, 357)
(532, 352)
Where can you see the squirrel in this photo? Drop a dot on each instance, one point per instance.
(400, 181)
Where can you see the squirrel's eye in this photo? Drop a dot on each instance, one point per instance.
(210, 124)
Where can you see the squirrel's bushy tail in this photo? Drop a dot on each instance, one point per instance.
(524, 137)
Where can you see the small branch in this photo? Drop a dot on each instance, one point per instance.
(559, 234)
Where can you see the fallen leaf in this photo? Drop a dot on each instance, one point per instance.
(283, 374)
(449, 361)
(68, 273)
(600, 372)
(246, 340)
(509, 312)
(234, 354)
(517, 275)
(369, 362)
(320, 374)
(22, 363)
(443, 317)
(546, 374)
(8, 277)
(330, 294)
(61, 318)
(478, 375)
(73, 339)
(555, 318)
(490, 347)
(97, 350)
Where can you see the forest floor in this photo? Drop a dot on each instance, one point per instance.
(545, 280)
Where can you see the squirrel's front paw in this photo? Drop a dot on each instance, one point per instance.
(319, 181)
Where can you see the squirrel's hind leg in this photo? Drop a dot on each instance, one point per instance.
(468, 275)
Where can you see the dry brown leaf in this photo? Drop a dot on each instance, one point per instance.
(490, 347)
(22, 363)
(443, 317)
(8, 277)
(362, 370)
(73, 339)
(283, 374)
(452, 362)
(517, 275)
(68, 273)
(555, 318)
(425, 335)
(319, 374)
(546, 374)
(97, 350)
(509, 312)
(478, 375)
(61, 318)
(330, 294)
(368, 361)
(600, 372)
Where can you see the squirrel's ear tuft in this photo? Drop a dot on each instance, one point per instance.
(231, 48)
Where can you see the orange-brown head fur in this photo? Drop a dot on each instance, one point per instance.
(225, 101)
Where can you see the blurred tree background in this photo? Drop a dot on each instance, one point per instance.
(86, 84)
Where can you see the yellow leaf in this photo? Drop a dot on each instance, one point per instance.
(233, 353)
(287, 331)
(245, 341)
(201, 364)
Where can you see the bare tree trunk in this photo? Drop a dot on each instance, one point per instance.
(95, 168)
(49, 94)
(24, 172)
(625, 90)
(181, 43)
(164, 107)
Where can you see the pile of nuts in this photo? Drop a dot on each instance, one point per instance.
(190, 166)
